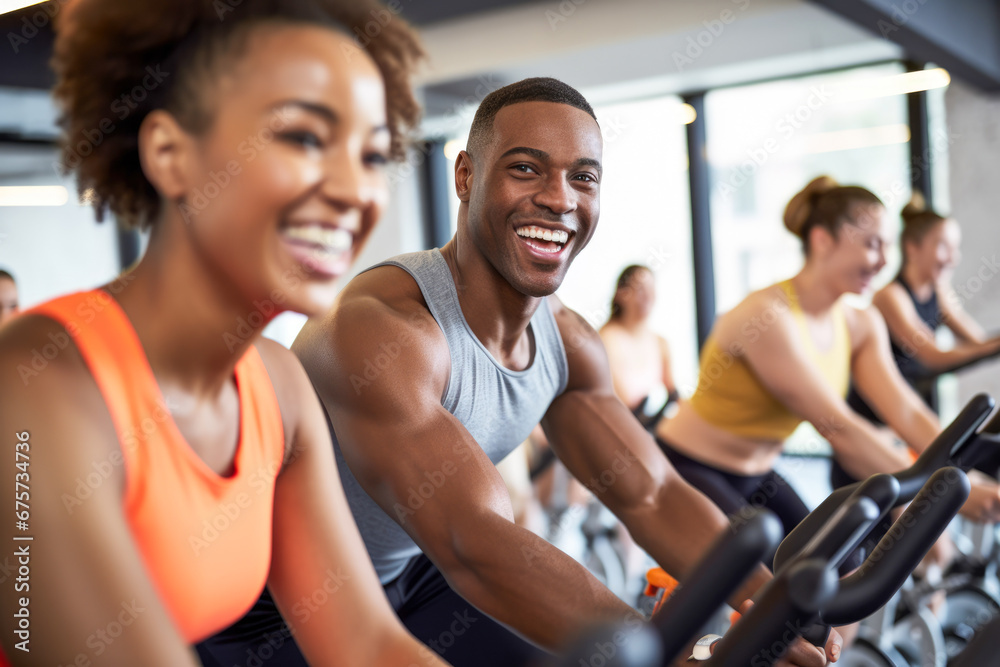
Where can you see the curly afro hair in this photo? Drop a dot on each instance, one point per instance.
(117, 60)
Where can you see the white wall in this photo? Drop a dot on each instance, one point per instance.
(974, 132)
(51, 250)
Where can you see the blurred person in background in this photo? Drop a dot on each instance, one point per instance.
(9, 304)
(639, 357)
(920, 300)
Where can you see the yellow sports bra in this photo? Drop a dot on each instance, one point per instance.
(730, 396)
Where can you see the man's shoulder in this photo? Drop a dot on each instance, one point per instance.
(571, 324)
(386, 289)
(586, 357)
(377, 317)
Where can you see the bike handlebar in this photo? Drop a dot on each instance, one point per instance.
(761, 637)
(806, 590)
(790, 602)
(958, 444)
(901, 549)
(726, 564)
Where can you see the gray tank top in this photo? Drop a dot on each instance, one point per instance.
(498, 406)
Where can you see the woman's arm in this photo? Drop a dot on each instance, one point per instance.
(879, 382)
(916, 339)
(955, 317)
(81, 576)
(668, 373)
(316, 545)
(966, 329)
(612, 341)
(775, 353)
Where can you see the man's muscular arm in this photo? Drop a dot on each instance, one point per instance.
(395, 436)
(606, 448)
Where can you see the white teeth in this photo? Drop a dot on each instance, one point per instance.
(533, 232)
(332, 240)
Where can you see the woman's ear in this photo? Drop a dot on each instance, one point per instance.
(164, 153)
(821, 241)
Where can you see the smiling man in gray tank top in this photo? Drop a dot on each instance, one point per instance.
(434, 365)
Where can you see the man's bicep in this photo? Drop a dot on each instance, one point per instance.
(587, 362)
(425, 470)
(413, 457)
(381, 385)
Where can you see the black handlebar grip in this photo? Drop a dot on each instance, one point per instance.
(993, 426)
(787, 606)
(728, 562)
(882, 489)
(957, 444)
(901, 550)
(951, 447)
(985, 451)
(847, 527)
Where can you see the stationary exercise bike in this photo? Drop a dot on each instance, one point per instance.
(906, 632)
(806, 593)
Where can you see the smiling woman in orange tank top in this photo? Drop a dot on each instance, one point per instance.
(178, 460)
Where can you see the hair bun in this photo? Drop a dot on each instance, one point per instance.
(915, 207)
(802, 204)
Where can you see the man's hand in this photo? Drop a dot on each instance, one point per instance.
(804, 654)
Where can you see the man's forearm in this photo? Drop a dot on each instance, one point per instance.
(679, 529)
(524, 582)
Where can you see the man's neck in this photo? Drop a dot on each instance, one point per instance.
(497, 313)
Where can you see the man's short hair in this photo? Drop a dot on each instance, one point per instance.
(538, 89)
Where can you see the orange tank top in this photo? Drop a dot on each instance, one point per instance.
(205, 539)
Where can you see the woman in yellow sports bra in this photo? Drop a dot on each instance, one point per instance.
(785, 354)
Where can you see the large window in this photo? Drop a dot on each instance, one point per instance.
(645, 219)
(766, 141)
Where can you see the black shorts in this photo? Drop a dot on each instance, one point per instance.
(427, 606)
(735, 493)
